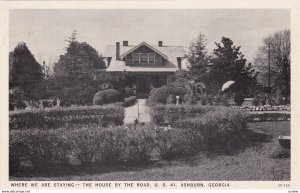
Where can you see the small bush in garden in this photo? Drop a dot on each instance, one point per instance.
(139, 144)
(17, 150)
(215, 128)
(160, 95)
(42, 148)
(238, 99)
(103, 145)
(128, 92)
(66, 117)
(107, 96)
(174, 143)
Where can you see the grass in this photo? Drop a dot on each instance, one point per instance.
(262, 160)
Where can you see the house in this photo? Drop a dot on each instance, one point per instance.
(146, 65)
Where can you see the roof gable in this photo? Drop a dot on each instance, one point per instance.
(140, 45)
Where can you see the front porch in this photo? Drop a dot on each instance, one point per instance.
(144, 82)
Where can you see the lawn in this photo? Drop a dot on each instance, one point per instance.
(263, 159)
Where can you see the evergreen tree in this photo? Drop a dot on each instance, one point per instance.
(228, 63)
(79, 57)
(198, 58)
(25, 72)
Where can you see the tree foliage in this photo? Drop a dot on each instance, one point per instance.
(198, 58)
(79, 56)
(228, 63)
(25, 72)
(280, 61)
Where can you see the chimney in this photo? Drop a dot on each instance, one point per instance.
(160, 43)
(125, 43)
(117, 50)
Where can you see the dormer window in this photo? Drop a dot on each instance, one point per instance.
(143, 58)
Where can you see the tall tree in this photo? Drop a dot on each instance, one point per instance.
(228, 63)
(276, 47)
(79, 56)
(198, 58)
(25, 72)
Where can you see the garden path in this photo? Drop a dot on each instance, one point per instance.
(131, 113)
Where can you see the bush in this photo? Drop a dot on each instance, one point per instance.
(216, 128)
(107, 96)
(129, 101)
(42, 148)
(140, 143)
(101, 145)
(54, 118)
(160, 95)
(238, 99)
(128, 92)
(174, 143)
(168, 114)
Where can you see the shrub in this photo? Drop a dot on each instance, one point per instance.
(41, 148)
(107, 96)
(53, 118)
(174, 143)
(128, 92)
(140, 143)
(129, 101)
(160, 95)
(238, 99)
(168, 114)
(216, 128)
(92, 144)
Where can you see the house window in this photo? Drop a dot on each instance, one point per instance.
(151, 58)
(136, 57)
(145, 58)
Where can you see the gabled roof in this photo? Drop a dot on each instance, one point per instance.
(171, 52)
(143, 44)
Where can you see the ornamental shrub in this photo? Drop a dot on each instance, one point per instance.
(174, 143)
(238, 99)
(160, 95)
(168, 114)
(129, 101)
(54, 118)
(139, 144)
(107, 96)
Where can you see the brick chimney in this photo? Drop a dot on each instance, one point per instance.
(117, 50)
(160, 43)
(125, 43)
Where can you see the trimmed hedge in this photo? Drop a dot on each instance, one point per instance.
(107, 96)
(54, 118)
(168, 114)
(160, 95)
(216, 128)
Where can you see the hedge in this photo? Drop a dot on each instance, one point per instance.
(54, 118)
(221, 127)
(168, 114)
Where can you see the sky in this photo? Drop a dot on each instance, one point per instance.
(45, 31)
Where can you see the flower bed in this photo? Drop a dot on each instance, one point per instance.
(54, 118)
(268, 116)
(263, 108)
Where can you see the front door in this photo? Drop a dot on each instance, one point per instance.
(143, 87)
